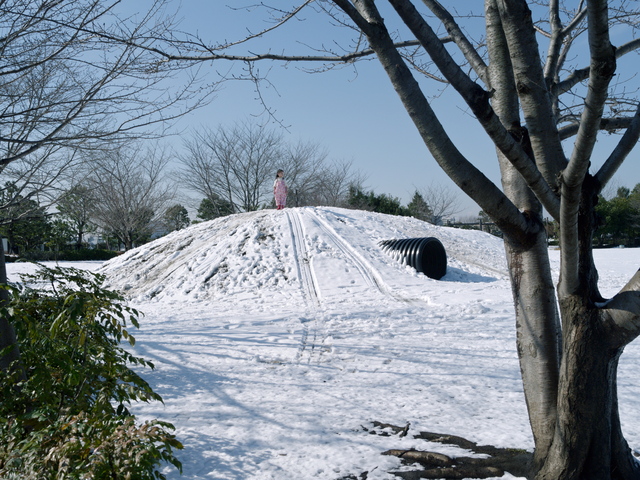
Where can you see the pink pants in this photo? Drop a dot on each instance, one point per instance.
(281, 201)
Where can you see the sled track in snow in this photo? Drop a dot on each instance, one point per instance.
(311, 337)
(369, 273)
(370, 277)
(301, 257)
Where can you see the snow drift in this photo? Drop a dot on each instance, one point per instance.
(265, 250)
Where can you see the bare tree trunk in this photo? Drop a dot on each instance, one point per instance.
(588, 443)
(537, 324)
(538, 334)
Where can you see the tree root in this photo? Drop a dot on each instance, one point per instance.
(436, 465)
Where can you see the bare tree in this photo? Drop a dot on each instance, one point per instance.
(545, 72)
(130, 191)
(303, 164)
(74, 76)
(331, 186)
(315, 180)
(443, 202)
(235, 163)
(238, 164)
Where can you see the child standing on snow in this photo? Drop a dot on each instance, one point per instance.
(280, 190)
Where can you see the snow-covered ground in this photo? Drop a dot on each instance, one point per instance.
(279, 337)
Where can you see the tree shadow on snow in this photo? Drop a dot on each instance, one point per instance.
(206, 454)
(490, 461)
(461, 276)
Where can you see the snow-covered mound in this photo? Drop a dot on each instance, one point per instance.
(275, 251)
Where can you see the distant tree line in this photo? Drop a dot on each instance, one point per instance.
(125, 195)
(431, 205)
(482, 222)
(619, 219)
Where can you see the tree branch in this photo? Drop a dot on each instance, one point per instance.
(471, 180)
(555, 45)
(531, 86)
(624, 147)
(478, 101)
(610, 125)
(602, 68)
(621, 315)
(453, 29)
(559, 46)
(286, 17)
(208, 53)
(579, 75)
(580, 16)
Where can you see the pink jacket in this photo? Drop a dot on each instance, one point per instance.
(280, 191)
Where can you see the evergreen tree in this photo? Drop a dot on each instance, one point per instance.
(214, 208)
(381, 203)
(176, 218)
(419, 208)
(619, 218)
(23, 222)
(61, 235)
(76, 207)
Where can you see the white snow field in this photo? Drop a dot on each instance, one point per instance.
(279, 337)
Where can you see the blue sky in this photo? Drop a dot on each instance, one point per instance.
(353, 112)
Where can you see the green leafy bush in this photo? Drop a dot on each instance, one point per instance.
(69, 419)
